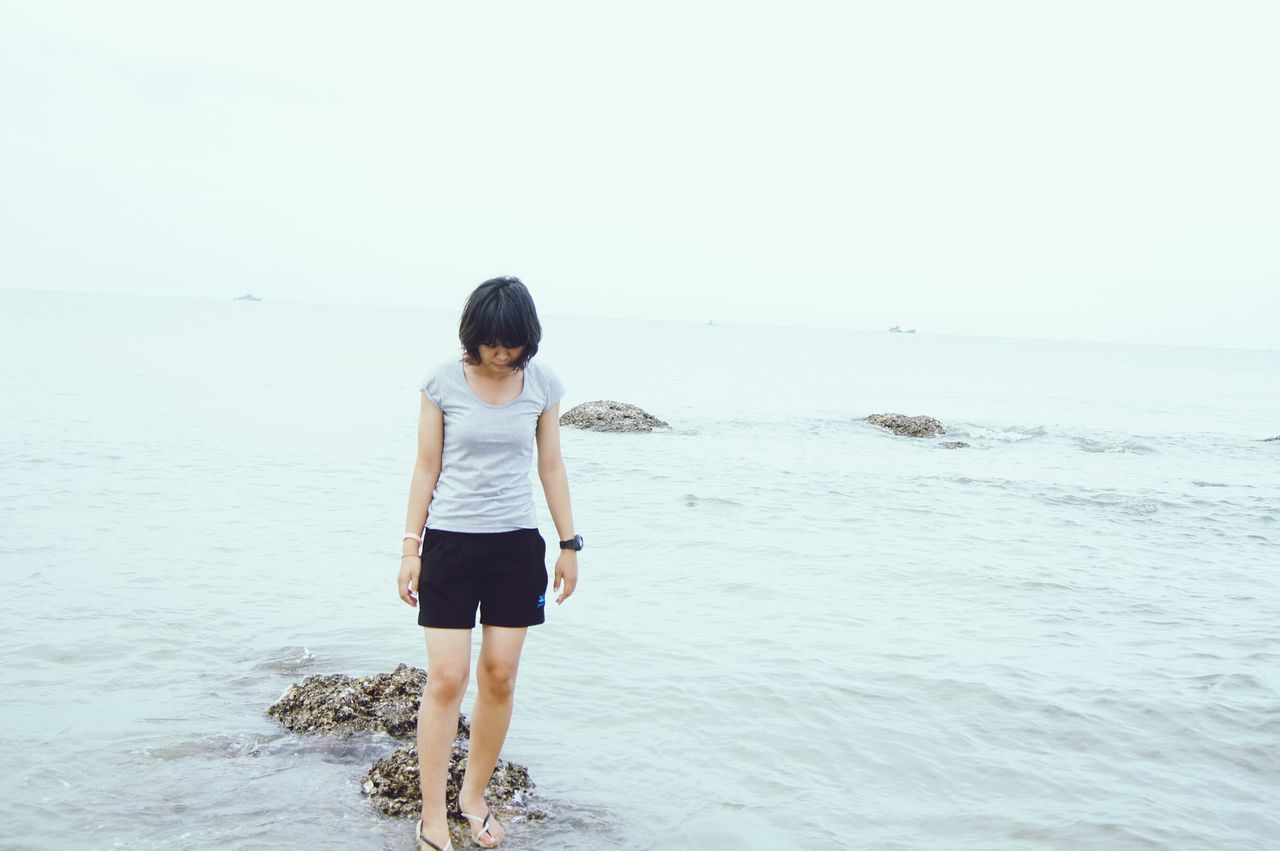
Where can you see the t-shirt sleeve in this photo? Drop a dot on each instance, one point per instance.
(433, 386)
(555, 388)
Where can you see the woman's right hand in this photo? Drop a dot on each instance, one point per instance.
(410, 570)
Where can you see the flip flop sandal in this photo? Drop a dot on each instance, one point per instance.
(448, 845)
(484, 825)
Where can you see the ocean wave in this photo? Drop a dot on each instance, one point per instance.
(287, 660)
(356, 747)
(216, 745)
(1139, 504)
(1011, 434)
(693, 500)
(1117, 445)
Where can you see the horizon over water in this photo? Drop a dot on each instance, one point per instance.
(792, 629)
(1273, 346)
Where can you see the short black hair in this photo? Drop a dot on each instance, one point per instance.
(500, 312)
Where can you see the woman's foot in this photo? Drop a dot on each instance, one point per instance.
(485, 829)
(426, 844)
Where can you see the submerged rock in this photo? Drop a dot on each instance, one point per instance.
(953, 444)
(343, 705)
(1270, 439)
(607, 415)
(337, 703)
(908, 426)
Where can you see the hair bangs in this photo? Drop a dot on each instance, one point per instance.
(505, 322)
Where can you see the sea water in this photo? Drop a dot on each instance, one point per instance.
(792, 629)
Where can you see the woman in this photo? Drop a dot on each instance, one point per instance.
(471, 510)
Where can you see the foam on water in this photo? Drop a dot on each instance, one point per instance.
(793, 628)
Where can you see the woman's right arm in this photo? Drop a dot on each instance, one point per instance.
(426, 472)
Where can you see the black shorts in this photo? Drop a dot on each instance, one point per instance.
(504, 573)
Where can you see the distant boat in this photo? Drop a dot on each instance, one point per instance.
(247, 297)
(897, 329)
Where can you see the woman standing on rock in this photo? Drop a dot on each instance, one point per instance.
(471, 510)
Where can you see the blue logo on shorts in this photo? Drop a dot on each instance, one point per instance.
(542, 598)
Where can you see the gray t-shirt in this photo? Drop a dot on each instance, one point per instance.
(488, 451)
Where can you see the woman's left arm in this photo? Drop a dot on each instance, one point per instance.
(555, 484)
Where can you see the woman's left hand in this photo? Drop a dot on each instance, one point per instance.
(566, 574)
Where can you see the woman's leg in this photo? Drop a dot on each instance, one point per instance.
(496, 684)
(448, 668)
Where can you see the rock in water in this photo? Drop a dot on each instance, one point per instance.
(607, 415)
(1271, 439)
(343, 705)
(953, 444)
(392, 786)
(336, 703)
(908, 426)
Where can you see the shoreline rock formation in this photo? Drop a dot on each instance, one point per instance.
(342, 705)
(391, 784)
(607, 415)
(906, 426)
(339, 705)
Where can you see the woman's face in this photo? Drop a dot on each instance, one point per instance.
(499, 357)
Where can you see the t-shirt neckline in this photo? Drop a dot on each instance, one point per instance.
(524, 385)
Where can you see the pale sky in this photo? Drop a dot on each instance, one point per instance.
(1075, 169)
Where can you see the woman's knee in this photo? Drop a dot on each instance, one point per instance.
(447, 684)
(498, 677)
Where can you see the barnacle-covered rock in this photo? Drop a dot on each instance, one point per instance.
(341, 705)
(337, 703)
(392, 785)
(908, 426)
(607, 415)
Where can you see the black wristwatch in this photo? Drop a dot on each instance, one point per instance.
(574, 543)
